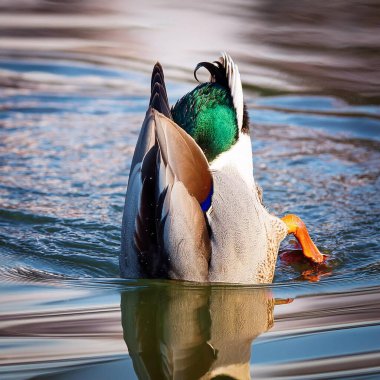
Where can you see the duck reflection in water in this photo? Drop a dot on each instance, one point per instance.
(184, 332)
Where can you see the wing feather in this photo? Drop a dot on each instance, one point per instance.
(128, 260)
(185, 236)
(164, 231)
(185, 158)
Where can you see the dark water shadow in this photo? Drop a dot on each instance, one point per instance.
(198, 333)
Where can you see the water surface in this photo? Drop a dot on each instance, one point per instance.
(74, 89)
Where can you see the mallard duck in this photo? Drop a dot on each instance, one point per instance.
(193, 210)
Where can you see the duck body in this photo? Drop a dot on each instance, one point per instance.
(246, 237)
(193, 210)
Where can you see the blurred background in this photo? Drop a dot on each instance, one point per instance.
(287, 46)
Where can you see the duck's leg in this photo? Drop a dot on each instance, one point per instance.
(298, 228)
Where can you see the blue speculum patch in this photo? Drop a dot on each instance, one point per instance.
(206, 204)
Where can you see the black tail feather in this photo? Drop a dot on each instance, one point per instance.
(217, 71)
(159, 98)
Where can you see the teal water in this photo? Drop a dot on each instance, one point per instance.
(74, 90)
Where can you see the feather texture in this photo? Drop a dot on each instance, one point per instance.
(169, 179)
(159, 98)
(234, 83)
(184, 158)
(226, 73)
(136, 216)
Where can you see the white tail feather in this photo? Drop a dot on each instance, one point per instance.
(234, 83)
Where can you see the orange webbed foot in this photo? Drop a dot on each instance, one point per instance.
(298, 228)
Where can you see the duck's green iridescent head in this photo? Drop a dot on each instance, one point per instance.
(208, 115)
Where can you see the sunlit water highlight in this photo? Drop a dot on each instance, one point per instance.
(69, 121)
